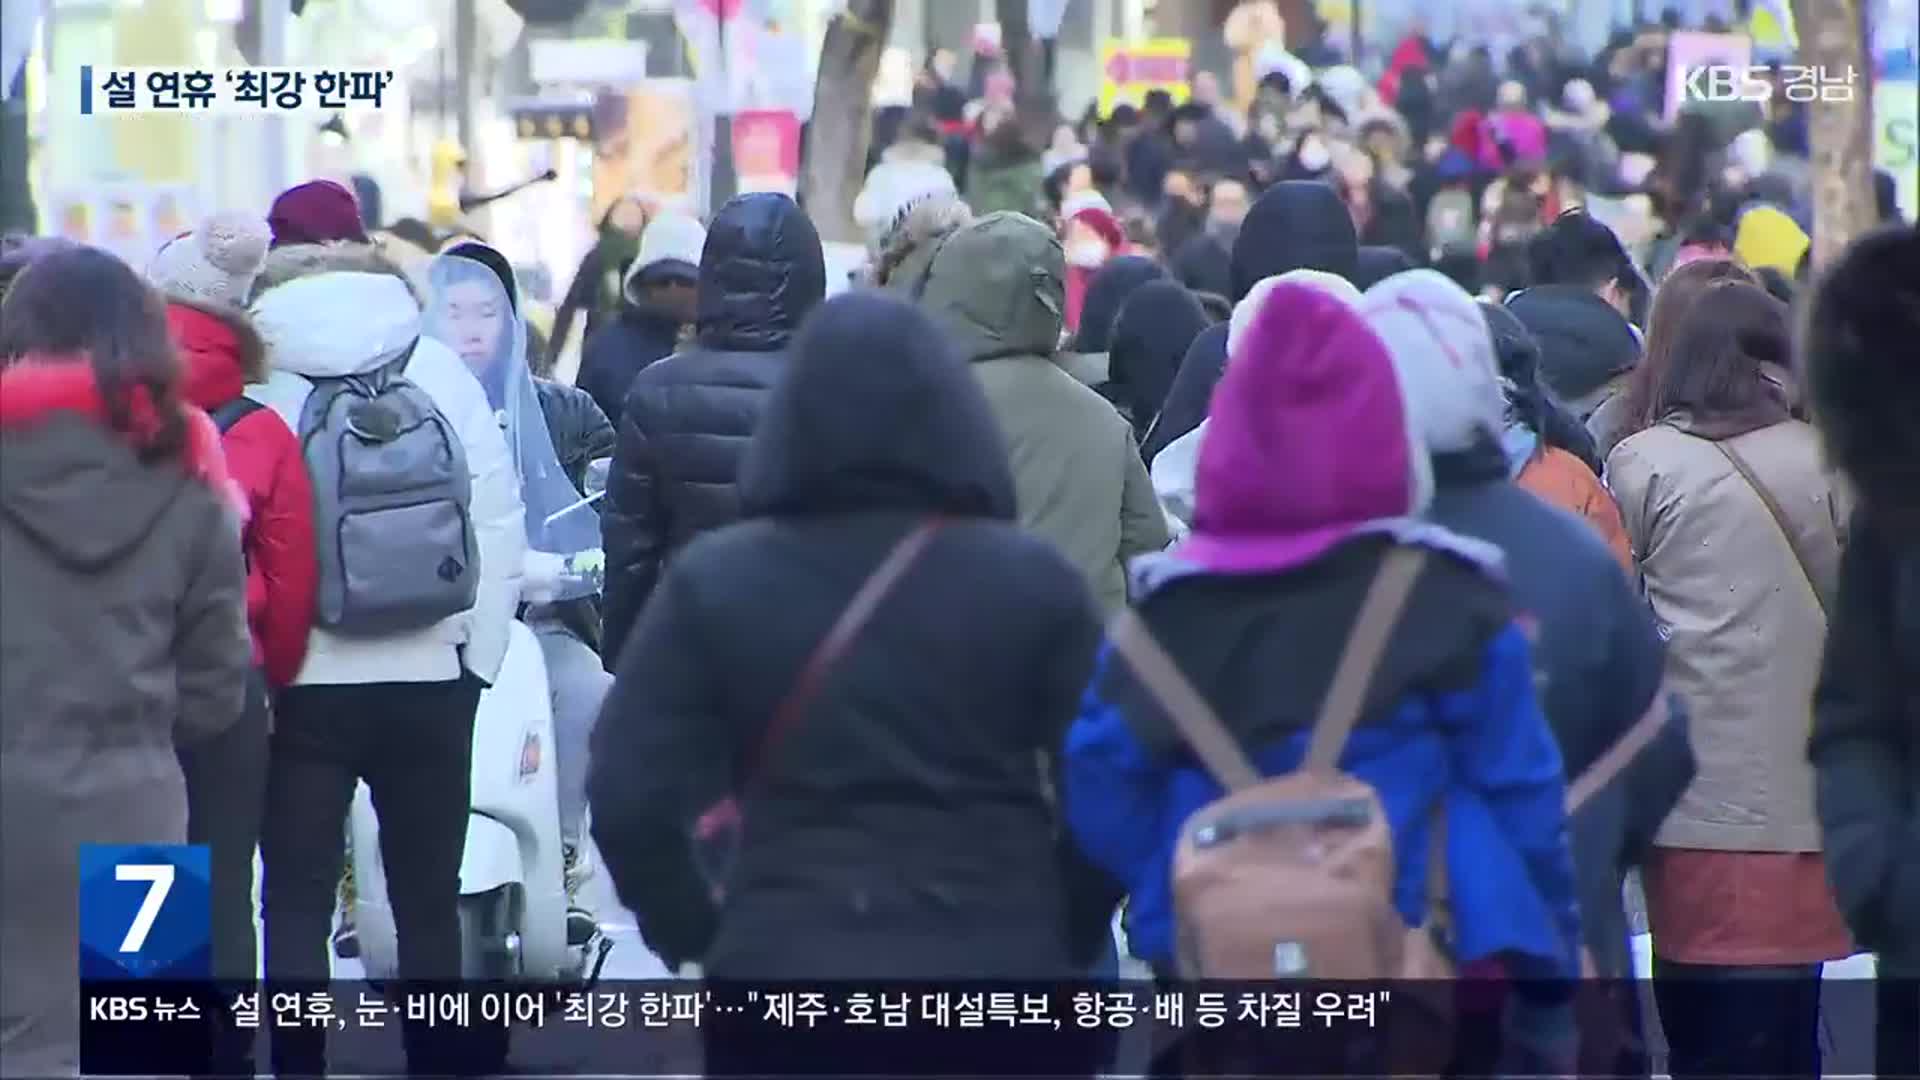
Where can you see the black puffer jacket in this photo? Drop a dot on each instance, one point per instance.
(688, 418)
(903, 826)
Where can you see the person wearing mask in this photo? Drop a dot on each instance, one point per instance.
(1549, 452)
(1252, 610)
(596, 291)
(1579, 293)
(1086, 353)
(1671, 302)
(123, 620)
(1856, 350)
(996, 287)
(1294, 225)
(393, 707)
(1205, 262)
(687, 418)
(1736, 527)
(1091, 235)
(888, 741)
(1600, 659)
(657, 304)
(205, 277)
(1156, 326)
(554, 432)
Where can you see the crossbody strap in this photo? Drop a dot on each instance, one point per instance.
(1779, 518)
(853, 618)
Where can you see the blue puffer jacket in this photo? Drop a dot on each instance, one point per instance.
(1451, 716)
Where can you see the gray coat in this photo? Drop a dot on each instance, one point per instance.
(123, 627)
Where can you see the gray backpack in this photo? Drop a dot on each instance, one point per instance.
(391, 496)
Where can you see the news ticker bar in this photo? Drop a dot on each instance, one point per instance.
(245, 91)
(681, 1028)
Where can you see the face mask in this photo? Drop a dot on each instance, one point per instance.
(1087, 254)
(1314, 156)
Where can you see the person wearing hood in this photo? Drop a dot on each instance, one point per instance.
(1175, 468)
(1086, 353)
(1205, 262)
(123, 620)
(686, 421)
(554, 432)
(1091, 236)
(1378, 263)
(1736, 526)
(1601, 660)
(1550, 453)
(997, 287)
(1294, 225)
(597, 290)
(1156, 326)
(1857, 350)
(896, 825)
(1576, 306)
(395, 708)
(657, 304)
(205, 275)
(1252, 609)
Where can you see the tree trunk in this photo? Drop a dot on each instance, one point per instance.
(834, 160)
(1033, 85)
(1833, 41)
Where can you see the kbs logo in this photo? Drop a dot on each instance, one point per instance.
(145, 911)
(1717, 83)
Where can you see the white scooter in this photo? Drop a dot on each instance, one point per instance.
(513, 900)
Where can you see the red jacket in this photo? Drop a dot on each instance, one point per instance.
(221, 353)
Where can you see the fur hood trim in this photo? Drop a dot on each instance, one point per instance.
(296, 261)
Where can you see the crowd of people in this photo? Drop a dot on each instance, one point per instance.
(840, 665)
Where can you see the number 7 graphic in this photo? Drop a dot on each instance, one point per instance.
(159, 877)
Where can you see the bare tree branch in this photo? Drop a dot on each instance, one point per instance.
(835, 158)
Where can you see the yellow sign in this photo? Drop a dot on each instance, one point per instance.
(1896, 131)
(1131, 70)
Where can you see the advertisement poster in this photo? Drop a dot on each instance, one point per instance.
(646, 144)
(130, 220)
(1130, 70)
(1687, 49)
(1896, 139)
(766, 150)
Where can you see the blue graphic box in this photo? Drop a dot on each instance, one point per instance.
(145, 911)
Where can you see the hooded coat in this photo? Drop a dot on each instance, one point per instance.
(1155, 328)
(222, 354)
(1587, 348)
(123, 623)
(687, 419)
(1294, 225)
(996, 287)
(624, 346)
(328, 310)
(1253, 608)
(904, 827)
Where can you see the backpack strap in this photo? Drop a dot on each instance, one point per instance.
(232, 412)
(1205, 735)
(1366, 644)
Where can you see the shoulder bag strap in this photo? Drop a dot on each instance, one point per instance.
(1366, 644)
(839, 637)
(1779, 518)
(1205, 735)
(1621, 754)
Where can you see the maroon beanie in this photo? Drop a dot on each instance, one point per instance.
(316, 212)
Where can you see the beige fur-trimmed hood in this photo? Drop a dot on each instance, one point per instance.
(296, 261)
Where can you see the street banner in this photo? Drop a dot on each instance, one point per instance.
(1687, 49)
(646, 144)
(766, 150)
(1131, 70)
(1896, 139)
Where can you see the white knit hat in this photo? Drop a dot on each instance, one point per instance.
(216, 262)
(1444, 355)
(1332, 284)
(893, 187)
(669, 237)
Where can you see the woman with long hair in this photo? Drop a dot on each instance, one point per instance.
(1735, 524)
(123, 620)
(1671, 302)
